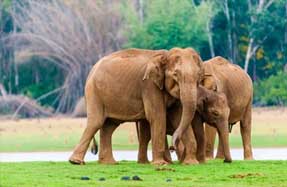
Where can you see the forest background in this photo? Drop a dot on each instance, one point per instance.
(48, 47)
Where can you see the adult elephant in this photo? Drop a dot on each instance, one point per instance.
(135, 84)
(212, 107)
(230, 79)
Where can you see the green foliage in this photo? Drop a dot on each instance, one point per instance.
(272, 91)
(38, 77)
(169, 24)
(215, 173)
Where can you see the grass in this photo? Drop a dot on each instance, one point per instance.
(214, 173)
(269, 129)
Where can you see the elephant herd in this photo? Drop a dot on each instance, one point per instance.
(167, 92)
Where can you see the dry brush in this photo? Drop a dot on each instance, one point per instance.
(72, 34)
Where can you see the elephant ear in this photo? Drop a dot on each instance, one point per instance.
(209, 82)
(202, 99)
(155, 70)
(199, 62)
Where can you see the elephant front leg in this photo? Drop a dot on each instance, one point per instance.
(200, 140)
(144, 137)
(189, 142)
(210, 134)
(105, 152)
(220, 150)
(155, 113)
(158, 142)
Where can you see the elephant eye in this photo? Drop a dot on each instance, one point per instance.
(215, 113)
(177, 58)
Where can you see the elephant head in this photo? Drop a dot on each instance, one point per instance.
(179, 72)
(213, 108)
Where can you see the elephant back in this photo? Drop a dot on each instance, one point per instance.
(231, 80)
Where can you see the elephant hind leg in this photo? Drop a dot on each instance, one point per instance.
(245, 129)
(106, 132)
(167, 156)
(144, 137)
(95, 120)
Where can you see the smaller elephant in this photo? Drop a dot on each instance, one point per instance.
(235, 83)
(212, 107)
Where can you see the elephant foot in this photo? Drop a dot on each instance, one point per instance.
(227, 161)
(143, 161)
(74, 159)
(202, 161)
(248, 158)
(159, 162)
(209, 158)
(108, 161)
(190, 162)
(219, 156)
(209, 155)
(168, 159)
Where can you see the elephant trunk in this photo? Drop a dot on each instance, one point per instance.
(224, 138)
(188, 97)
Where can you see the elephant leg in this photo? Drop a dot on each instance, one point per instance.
(245, 129)
(186, 149)
(95, 120)
(180, 152)
(210, 134)
(190, 145)
(198, 129)
(155, 111)
(105, 151)
(220, 150)
(167, 156)
(144, 138)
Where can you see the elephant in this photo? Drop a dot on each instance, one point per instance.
(136, 84)
(224, 77)
(212, 107)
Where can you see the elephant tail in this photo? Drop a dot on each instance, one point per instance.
(94, 147)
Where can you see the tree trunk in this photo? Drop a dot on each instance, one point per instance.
(210, 41)
(248, 54)
(140, 9)
(229, 39)
(234, 36)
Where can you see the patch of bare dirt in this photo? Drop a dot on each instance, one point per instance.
(164, 169)
(245, 175)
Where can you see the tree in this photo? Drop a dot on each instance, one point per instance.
(71, 34)
(272, 91)
(168, 24)
(7, 68)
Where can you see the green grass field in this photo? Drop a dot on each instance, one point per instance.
(214, 173)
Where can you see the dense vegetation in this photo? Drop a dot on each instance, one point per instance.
(52, 55)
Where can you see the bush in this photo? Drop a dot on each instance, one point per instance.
(271, 91)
